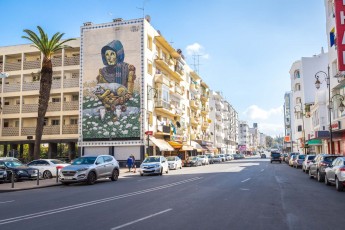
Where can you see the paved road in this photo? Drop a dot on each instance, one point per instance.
(242, 194)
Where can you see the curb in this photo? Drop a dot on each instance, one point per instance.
(28, 188)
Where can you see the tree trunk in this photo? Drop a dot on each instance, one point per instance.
(45, 86)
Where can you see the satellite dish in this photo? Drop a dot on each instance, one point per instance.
(178, 124)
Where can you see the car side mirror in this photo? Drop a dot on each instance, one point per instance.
(97, 163)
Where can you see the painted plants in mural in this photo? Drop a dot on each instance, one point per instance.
(111, 103)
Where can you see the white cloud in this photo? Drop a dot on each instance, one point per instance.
(271, 129)
(254, 112)
(197, 49)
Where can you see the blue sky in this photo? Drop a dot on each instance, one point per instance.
(246, 47)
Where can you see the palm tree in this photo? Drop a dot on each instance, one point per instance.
(48, 48)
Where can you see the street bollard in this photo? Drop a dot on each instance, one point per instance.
(57, 174)
(38, 177)
(12, 179)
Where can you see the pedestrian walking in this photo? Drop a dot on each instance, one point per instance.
(134, 166)
(129, 163)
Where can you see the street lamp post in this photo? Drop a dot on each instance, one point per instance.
(148, 116)
(303, 131)
(341, 107)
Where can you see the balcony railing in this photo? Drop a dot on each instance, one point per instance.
(1, 65)
(54, 106)
(56, 84)
(71, 82)
(178, 89)
(29, 86)
(10, 131)
(56, 62)
(32, 65)
(11, 88)
(51, 129)
(163, 128)
(28, 131)
(70, 105)
(10, 109)
(70, 129)
(72, 61)
(30, 108)
(13, 66)
(162, 104)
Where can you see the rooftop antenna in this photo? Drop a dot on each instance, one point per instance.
(196, 62)
(143, 8)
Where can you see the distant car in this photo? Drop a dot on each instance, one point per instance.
(297, 163)
(20, 170)
(210, 158)
(319, 164)
(335, 173)
(217, 159)
(193, 161)
(174, 162)
(222, 156)
(228, 157)
(287, 159)
(89, 169)
(47, 167)
(204, 159)
(276, 156)
(292, 158)
(154, 165)
(263, 155)
(306, 163)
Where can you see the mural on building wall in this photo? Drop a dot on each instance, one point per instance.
(111, 86)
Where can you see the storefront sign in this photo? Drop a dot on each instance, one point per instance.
(336, 125)
(340, 28)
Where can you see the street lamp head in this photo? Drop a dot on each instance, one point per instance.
(317, 83)
(341, 106)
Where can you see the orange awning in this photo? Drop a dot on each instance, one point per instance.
(175, 144)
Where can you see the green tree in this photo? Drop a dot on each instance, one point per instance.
(269, 141)
(48, 47)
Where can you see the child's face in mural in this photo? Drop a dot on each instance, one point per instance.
(110, 55)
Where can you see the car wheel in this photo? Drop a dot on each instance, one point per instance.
(326, 181)
(168, 171)
(339, 185)
(280, 162)
(161, 173)
(310, 175)
(47, 174)
(180, 166)
(15, 179)
(115, 175)
(141, 174)
(319, 177)
(271, 162)
(303, 169)
(91, 178)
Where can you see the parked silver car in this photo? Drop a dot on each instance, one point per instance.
(335, 173)
(154, 165)
(306, 163)
(174, 162)
(90, 168)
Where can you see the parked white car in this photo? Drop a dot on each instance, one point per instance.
(335, 174)
(174, 162)
(306, 162)
(204, 159)
(47, 167)
(154, 165)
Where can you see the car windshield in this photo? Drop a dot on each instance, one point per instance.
(201, 156)
(13, 163)
(301, 157)
(84, 161)
(57, 162)
(311, 157)
(151, 159)
(330, 159)
(171, 158)
(275, 154)
(192, 158)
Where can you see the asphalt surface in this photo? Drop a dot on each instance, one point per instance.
(242, 194)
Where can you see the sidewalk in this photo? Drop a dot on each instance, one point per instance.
(32, 184)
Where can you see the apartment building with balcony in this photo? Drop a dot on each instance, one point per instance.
(288, 122)
(19, 98)
(244, 142)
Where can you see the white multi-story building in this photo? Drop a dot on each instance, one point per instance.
(288, 122)
(302, 75)
(244, 141)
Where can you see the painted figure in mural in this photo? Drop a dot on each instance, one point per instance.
(116, 79)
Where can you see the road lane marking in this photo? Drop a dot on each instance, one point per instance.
(4, 202)
(146, 179)
(262, 170)
(141, 219)
(244, 189)
(245, 180)
(90, 203)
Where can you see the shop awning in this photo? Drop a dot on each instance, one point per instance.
(175, 144)
(209, 148)
(196, 146)
(187, 148)
(314, 142)
(161, 144)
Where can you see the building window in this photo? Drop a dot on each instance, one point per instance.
(149, 42)
(75, 97)
(149, 67)
(74, 121)
(299, 128)
(298, 87)
(55, 122)
(298, 100)
(56, 99)
(296, 74)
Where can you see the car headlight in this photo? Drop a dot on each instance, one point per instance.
(82, 169)
(20, 171)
